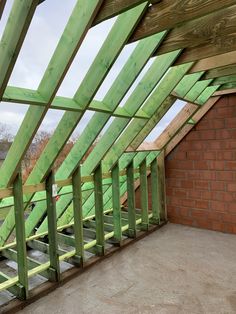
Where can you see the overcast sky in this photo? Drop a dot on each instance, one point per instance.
(44, 33)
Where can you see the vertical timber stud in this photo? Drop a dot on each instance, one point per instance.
(98, 195)
(131, 200)
(155, 196)
(116, 203)
(20, 236)
(162, 186)
(54, 270)
(78, 216)
(144, 195)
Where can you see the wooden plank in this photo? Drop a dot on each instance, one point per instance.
(214, 62)
(54, 269)
(116, 203)
(15, 289)
(200, 43)
(197, 89)
(144, 195)
(170, 130)
(154, 193)
(98, 201)
(161, 186)
(220, 72)
(183, 129)
(112, 8)
(225, 92)
(22, 264)
(228, 86)
(206, 94)
(152, 122)
(224, 80)
(169, 14)
(78, 216)
(13, 37)
(183, 88)
(131, 201)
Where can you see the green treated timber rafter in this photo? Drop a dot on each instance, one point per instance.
(202, 98)
(172, 78)
(66, 49)
(63, 56)
(13, 37)
(121, 31)
(136, 99)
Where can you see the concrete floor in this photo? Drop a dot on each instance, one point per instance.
(175, 270)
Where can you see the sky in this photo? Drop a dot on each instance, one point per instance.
(41, 40)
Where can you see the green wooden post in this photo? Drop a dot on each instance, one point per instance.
(131, 200)
(20, 236)
(144, 195)
(116, 202)
(54, 270)
(162, 186)
(98, 196)
(78, 216)
(154, 198)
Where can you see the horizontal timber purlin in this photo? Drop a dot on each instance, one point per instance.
(215, 62)
(220, 72)
(18, 95)
(27, 189)
(225, 92)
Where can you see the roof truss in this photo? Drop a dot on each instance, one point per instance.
(193, 59)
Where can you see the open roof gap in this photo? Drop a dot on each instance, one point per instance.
(41, 40)
(115, 70)
(136, 82)
(84, 58)
(5, 15)
(166, 119)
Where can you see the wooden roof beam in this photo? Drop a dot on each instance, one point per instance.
(168, 14)
(214, 63)
(183, 128)
(225, 92)
(13, 37)
(111, 8)
(220, 72)
(203, 37)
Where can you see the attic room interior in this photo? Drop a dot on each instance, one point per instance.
(118, 181)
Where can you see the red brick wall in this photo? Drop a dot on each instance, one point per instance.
(201, 172)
